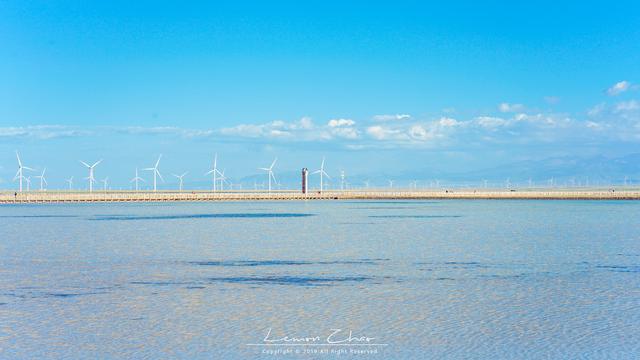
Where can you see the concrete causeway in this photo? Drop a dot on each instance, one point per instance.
(173, 196)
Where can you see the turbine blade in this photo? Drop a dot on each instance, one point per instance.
(273, 163)
(209, 172)
(28, 168)
(158, 162)
(265, 169)
(98, 162)
(19, 162)
(85, 164)
(159, 175)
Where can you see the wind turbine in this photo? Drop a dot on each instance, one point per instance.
(180, 178)
(390, 184)
(214, 170)
(322, 173)
(21, 168)
(156, 173)
(90, 177)
(43, 181)
(28, 179)
(269, 171)
(105, 183)
(70, 182)
(136, 179)
(222, 179)
(341, 179)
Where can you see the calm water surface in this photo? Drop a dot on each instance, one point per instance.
(431, 279)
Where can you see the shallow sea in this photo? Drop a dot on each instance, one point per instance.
(426, 279)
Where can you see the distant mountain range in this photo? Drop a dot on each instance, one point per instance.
(559, 171)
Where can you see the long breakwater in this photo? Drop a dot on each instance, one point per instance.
(195, 196)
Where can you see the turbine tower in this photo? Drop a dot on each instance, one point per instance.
(136, 179)
(322, 174)
(180, 177)
(20, 173)
(341, 179)
(222, 179)
(43, 181)
(28, 180)
(156, 173)
(269, 171)
(91, 178)
(70, 182)
(214, 170)
(105, 183)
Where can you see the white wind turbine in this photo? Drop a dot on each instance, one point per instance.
(20, 173)
(341, 179)
(390, 184)
(28, 180)
(269, 171)
(136, 179)
(222, 179)
(70, 182)
(214, 170)
(156, 173)
(180, 177)
(322, 174)
(105, 183)
(43, 181)
(91, 178)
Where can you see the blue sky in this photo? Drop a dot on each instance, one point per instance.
(374, 87)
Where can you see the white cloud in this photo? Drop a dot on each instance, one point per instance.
(490, 122)
(594, 125)
(345, 132)
(391, 117)
(42, 132)
(596, 110)
(625, 106)
(418, 132)
(165, 130)
(506, 107)
(448, 122)
(274, 129)
(340, 122)
(385, 133)
(618, 88)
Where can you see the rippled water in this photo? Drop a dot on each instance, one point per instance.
(430, 279)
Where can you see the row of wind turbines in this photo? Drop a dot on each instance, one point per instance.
(218, 177)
